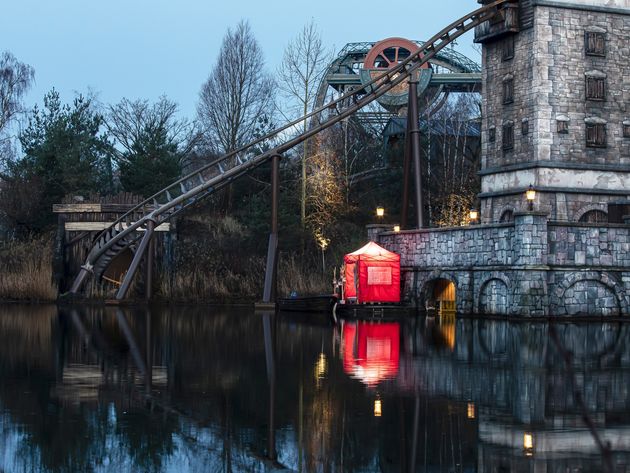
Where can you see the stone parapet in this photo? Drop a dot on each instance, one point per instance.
(529, 267)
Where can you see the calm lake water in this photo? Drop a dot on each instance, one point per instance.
(196, 389)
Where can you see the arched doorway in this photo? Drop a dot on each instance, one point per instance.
(441, 296)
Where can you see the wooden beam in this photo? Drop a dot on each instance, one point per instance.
(76, 208)
(92, 208)
(100, 226)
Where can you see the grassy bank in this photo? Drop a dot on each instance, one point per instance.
(27, 270)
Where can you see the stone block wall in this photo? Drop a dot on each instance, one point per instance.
(530, 267)
(549, 69)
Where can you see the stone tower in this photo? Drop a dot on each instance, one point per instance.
(556, 108)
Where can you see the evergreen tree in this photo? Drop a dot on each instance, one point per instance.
(65, 153)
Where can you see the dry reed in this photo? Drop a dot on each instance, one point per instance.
(27, 270)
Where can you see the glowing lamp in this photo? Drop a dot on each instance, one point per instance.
(380, 211)
(471, 410)
(396, 228)
(528, 444)
(473, 215)
(530, 195)
(378, 408)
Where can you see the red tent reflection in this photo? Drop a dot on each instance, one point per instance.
(371, 352)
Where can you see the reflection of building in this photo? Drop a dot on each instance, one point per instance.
(519, 381)
(371, 352)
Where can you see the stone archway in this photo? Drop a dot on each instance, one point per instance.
(590, 293)
(494, 297)
(589, 297)
(589, 208)
(440, 292)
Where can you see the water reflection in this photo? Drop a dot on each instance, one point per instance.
(190, 389)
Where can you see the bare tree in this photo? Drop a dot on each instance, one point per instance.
(238, 93)
(152, 143)
(129, 122)
(304, 64)
(15, 80)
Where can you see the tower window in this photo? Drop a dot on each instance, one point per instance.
(562, 124)
(626, 129)
(508, 136)
(595, 88)
(508, 91)
(507, 50)
(492, 134)
(524, 127)
(596, 135)
(595, 43)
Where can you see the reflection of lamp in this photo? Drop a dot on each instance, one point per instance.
(530, 195)
(321, 366)
(473, 215)
(380, 211)
(471, 410)
(396, 228)
(378, 408)
(528, 444)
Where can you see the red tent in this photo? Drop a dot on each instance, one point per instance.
(372, 275)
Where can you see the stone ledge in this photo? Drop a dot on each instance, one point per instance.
(554, 165)
(580, 6)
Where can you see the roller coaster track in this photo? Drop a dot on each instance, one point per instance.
(139, 222)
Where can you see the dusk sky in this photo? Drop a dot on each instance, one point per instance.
(143, 49)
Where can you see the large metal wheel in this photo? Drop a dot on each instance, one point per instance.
(390, 52)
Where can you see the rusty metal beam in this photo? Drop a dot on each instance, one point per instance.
(135, 263)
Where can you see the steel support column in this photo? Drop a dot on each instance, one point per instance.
(148, 286)
(406, 168)
(269, 294)
(414, 138)
(137, 259)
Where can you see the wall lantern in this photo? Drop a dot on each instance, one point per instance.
(380, 211)
(530, 194)
(396, 228)
(473, 215)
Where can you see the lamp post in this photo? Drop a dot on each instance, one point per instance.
(396, 228)
(323, 244)
(530, 195)
(380, 212)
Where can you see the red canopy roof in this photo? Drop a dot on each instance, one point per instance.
(371, 250)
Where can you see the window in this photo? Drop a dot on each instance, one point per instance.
(507, 216)
(563, 125)
(595, 88)
(492, 134)
(508, 136)
(596, 135)
(595, 43)
(508, 91)
(524, 127)
(594, 216)
(507, 50)
(626, 129)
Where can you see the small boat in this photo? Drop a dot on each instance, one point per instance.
(373, 312)
(320, 303)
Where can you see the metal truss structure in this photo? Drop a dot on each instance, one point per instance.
(134, 230)
(451, 71)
